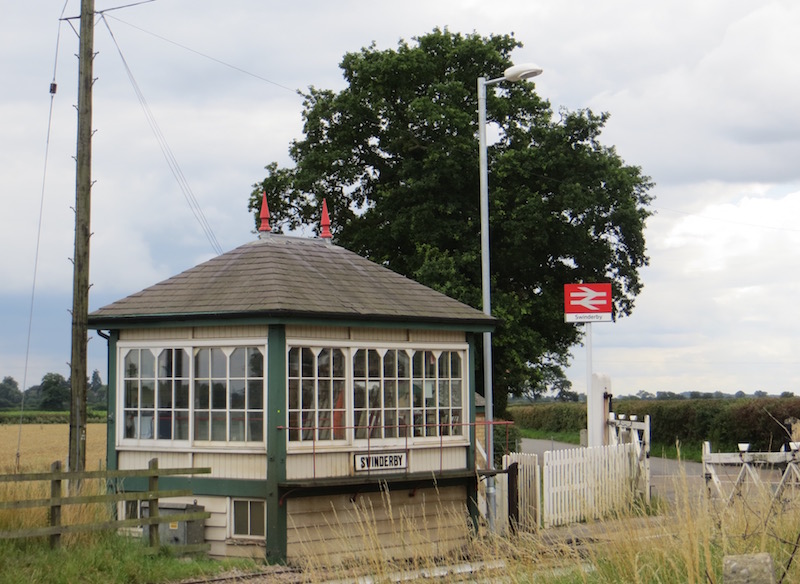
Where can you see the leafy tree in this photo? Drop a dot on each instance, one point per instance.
(55, 392)
(10, 395)
(97, 391)
(395, 154)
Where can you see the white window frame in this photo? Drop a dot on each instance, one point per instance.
(351, 442)
(232, 519)
(228, 345)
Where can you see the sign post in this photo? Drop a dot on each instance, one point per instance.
(588, 303)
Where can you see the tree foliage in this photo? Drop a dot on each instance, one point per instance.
(395, 154)
(10, 395)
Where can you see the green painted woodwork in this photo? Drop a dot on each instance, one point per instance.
(276, 442)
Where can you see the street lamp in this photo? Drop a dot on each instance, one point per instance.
(513, 73)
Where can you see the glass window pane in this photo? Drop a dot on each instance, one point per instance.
(255, 395)
(148, 364)
(418, 364)
(389, 394)
(219, 395)
(237, 427)
(360, 394)
(430, 364)
(181, 366)
(403, 364)
(201, 395)
(237, 362)
(131, 363)
(181, 425)
(444, 364)
(165, 425)
(444, 393)
(218, 426)
(148, 393)
(374, 364)
(294, 394)
(360, 363)
(294, 362)
(338, 394)
(182, 394)
(130, 425)
(403, 393)
(165, 363)
(201, 426)
(338, 363)
(164, 394)
(258, 518)
(255, 362)
(294, 426)
(237, 394)
(132, 394)
(255, 427)
(455, 364)
(219, 363)
(390, 364)
(308, 363)
(308, 394)
(146, 425)
(324, 394)
(455, 392)
(324, 363)
(374, 395)
(202, 360)
(241, 518)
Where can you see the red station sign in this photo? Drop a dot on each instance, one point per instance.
(587, 303)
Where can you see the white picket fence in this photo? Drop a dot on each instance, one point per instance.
(528, 481)
(587, 483)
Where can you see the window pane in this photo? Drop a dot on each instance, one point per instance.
(444, 364)
(403, 364)
(255, 362)
(294, 394)
(218, 426)
(444, 393)
(403, 393)
(455, 364)
(430, 364)
(237, 394)
(237, 427)
(390, 364)
(294, 426)
(430, 394)
(324, 363)
(237, 362)
(182, 394)
(255, 395)
(148, 393)
(165, 394)
(374, 364)
(308, 394)
(201, 363)
(360, 394)
(146, 425)
(338, 363)
(201, 395)
(360, 363)
(258, 518)
(131, 363)
(219, 363)
(181, 425)
(418, 362)
(241, 518)
(391, 424)
(201, 426)
(308, 363)
(294, 362)
(165, 363)
(165, 425)
(148, 364)
(131, 394)
(130, 425)
(324, 394)
(374, 395)
(219, 395)
(455, 392)
(181, 366)
(255, 427)
(389, 394)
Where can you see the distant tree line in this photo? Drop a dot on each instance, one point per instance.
(52, 394)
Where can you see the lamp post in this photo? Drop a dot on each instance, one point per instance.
(513, 73)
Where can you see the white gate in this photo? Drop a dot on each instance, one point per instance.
(587, 483)
(528, 489)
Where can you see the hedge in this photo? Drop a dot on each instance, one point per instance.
(723, 422)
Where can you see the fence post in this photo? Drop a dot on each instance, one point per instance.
(55, 510)
(152, 504)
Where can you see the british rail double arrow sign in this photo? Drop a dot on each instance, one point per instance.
(587, 303)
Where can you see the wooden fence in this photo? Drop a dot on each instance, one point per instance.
(524, 492)
(587, 483)
(57, 500)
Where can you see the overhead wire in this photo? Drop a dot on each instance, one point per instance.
(53, 89)
(172, 162)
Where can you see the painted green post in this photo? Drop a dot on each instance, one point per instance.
(276, 443)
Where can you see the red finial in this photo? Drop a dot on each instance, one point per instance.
(264, 214)
(325, 222)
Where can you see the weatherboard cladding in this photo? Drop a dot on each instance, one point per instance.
(283, 277)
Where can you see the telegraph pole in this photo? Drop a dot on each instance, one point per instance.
(80, 281)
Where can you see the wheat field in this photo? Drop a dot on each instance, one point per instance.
(39, 445)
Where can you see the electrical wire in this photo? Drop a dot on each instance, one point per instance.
(53, 88)
(172, 162)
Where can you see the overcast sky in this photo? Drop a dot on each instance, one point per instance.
(702, 96)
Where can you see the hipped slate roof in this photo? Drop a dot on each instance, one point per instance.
(287, 277)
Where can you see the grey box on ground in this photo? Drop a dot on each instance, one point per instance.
(178, 532)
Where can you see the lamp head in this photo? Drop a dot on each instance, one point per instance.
(521, 72)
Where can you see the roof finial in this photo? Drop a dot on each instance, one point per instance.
(325, 222)
(264, 215)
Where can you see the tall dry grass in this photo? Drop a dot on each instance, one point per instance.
(42, 444)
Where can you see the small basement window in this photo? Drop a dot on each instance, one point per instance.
(249, 518)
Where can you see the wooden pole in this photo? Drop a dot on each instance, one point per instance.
(80, 282)
(55, 510)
